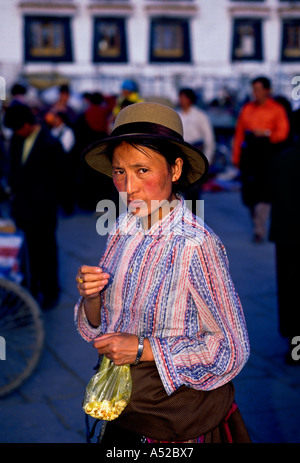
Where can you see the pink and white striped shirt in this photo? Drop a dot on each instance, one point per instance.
(172, 284)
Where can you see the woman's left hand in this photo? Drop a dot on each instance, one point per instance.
(121, 348)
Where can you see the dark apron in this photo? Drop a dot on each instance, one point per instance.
(185, 414)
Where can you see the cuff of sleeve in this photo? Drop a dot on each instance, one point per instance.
(164, 363)
(85, 329)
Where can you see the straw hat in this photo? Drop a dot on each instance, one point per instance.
(151, 120)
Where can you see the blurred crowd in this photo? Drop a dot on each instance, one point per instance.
(42, 173)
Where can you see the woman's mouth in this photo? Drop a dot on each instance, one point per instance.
(135, 204)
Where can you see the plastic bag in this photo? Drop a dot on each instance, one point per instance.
(108, 392)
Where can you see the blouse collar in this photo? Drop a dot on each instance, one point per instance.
(133, 224)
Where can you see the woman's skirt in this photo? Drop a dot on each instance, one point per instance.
(231, 430)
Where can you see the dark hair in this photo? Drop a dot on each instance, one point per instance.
(189, 93)
(17, 116)
(166, 148)
(64, 88)
(18, 89)
(64, 117)
(96, 98)
(266, 83)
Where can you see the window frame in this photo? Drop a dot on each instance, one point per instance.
(162, 56)
(284, 24)
(29, 56)
(122, 54)
(257, 23)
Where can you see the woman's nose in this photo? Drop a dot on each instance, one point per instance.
(130, 184)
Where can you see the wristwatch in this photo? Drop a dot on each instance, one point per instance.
(140, 350)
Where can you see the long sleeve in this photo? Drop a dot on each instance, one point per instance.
(238, 139)
(85, 329)
(281, 127)
(215, 354)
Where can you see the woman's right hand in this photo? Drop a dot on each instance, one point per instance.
(90, 281)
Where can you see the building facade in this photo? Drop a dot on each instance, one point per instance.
(162, 44)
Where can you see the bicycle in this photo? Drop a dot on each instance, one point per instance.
(21, 325)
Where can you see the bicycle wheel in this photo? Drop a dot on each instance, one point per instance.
(22, 331)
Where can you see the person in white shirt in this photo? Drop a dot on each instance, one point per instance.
(62, 131)
(197, 127)
(199, 133)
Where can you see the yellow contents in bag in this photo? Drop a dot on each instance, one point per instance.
(108, 392)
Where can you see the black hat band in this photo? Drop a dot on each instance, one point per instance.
(146, 128)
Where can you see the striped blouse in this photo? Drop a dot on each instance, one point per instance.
(171, 283)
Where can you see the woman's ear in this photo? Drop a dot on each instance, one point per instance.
(177, 169)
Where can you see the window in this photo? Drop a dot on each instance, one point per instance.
(109, 40)
(247, 40)
(290, 40)
(47, 39)
(170, 41)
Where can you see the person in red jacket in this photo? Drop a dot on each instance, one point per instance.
(261, 130)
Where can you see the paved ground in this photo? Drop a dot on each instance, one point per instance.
(47, 408)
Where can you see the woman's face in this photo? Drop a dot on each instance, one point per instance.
(144, 179)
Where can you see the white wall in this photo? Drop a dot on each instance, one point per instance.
(211, 33)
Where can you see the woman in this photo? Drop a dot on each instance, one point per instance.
(162, 299)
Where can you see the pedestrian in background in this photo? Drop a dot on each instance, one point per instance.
(261, 130)
(284, 232)
(129, 95)
(35, 173)
(60, 129)
(198, 131)
(197, 128)
(62, 104)
(18, 94)
(59, 124)
(91, 125)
